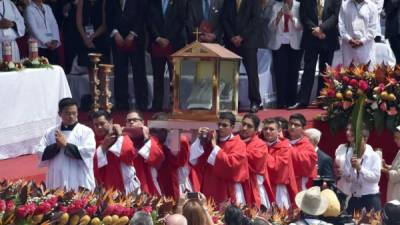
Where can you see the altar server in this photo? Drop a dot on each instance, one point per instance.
(43, 27)
(68, 150)
(11, 27)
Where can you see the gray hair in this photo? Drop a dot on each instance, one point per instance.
(176, 219)
(141, 218)
(313, 134)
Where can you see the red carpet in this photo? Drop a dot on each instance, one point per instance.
(26, 166)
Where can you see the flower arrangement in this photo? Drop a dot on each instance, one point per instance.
(8, 66)
(39, 62)
(378, 88)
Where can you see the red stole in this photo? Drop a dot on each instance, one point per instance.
(280, 167)
(304, 160)
(168, 172)
(143, 167)
(257, 155)
(231, 167)
(110, 175)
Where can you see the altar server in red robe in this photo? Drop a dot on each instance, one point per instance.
(113, 161)
(173, 174)
(220, 161)
(150, 153)
(280, 166)
(304, 155)
(257, 154)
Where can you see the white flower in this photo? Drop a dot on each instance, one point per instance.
(11, 65)
(35, 62)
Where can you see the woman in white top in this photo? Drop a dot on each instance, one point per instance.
(284, 41)
(393, 171)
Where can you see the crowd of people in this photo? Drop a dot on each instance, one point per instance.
(291, 29)
(263, 163)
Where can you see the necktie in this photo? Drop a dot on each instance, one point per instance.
(121, 2)
(164, 6)
(286, 23)
(320, 9)
(238, 2)
(206, 9)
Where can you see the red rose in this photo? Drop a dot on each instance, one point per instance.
(109, 210)
(91, 210)
(353, 82)
(22, 211)
(43, 208)
(381, 87)
(128, 212)
(118, 209)
(31, 208)
(63, 208)
(53, 201)
(10, 206)
(331, 93)
(345, 79)
(363, 85)
(2, 205)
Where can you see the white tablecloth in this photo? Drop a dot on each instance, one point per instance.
(29, 105)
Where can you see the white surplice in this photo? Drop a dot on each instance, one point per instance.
(131, 182)
(64, 171)
(10, 12)
(42, 24)
(358, 21)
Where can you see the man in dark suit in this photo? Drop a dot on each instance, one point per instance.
(392, 32)
(166, 23)
(320, 40)
(325, 163)
(241, 24)
(206, 16)
(126, 26)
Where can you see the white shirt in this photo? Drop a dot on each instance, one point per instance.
(358, 21)
(366, 181)
(131, 182)
(10, 12)
(64, 171)
(42, 24)
(340, 158)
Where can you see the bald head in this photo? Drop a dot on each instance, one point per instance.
(176, 219)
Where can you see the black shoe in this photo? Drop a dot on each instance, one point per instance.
(254, 108)
(298, 105)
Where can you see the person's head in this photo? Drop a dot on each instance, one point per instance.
(160, 133)
(233, 215)
(396, 136)
(349, 134)
(134, 118)
(297, 123)
(391, 213)
(102, 122)
(311, 202)
(141, 218)
(271, 129)
(68, 111)
(284, 124)
(176, 219)
(249, 127)
(195, 213)
(314, 135)
(226, 123)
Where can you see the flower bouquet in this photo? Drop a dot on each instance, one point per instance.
(39, 62)
(8, 66)
(379, 90)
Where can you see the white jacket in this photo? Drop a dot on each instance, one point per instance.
(276, 30)
(393, 189)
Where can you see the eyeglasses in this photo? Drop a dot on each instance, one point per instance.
(134, 120)
(224, 125)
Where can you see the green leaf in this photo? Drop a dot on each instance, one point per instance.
(357, 119)
(379, 120)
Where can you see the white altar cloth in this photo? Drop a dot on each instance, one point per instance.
(28, 106)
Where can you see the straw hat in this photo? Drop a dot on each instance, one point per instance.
(333, 209)
(311, 201)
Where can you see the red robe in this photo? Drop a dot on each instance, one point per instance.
(304, 161)
(257, 155)
(231, 167)
(143, 167)
(110, 175)
(168, 172)
(280, 167)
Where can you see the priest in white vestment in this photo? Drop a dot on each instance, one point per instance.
(11, 27)
(357, 27)
(68, 150)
